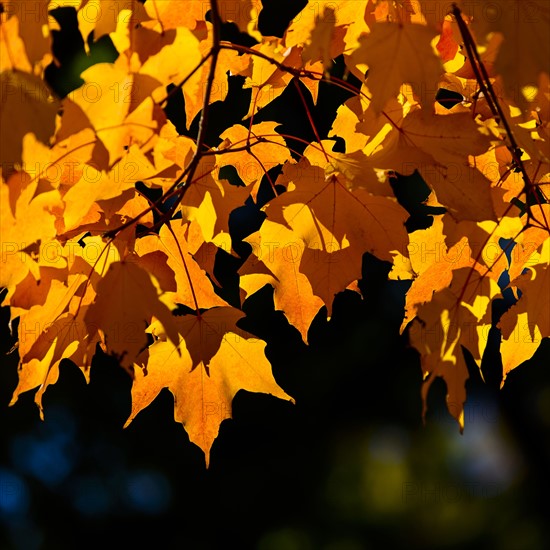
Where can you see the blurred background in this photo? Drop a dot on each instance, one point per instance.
(348, 467)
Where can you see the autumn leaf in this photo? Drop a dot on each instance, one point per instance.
(445, 323)
(110, 99)
(26, 106)
(66, 338)
(323, 44)
(433, 263)
(349, 16)
(125, 225)
(264, 154)
(525, 50)
(438, 147)
(108, 13)
(26, 219)
(211, 362)
(193, 287)
(210, 202)
(531, 284)
(399, 54)
(120, 317)
(278, 255)
(330, 217)
(170, 16)
(25, 40)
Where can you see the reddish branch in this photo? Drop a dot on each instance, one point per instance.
(191, 168)
(486, 87)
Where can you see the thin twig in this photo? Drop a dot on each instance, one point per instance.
(484, 82)
(191, 168)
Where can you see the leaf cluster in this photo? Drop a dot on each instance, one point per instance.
(113, 221)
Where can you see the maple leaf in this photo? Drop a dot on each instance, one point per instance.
(65, 338)
(112, 103)
(433, 262)
(95, 185)
(322, 45)
(438, 147)
(16, 57)
(171, 16)
(93, 164)
(449, 41)
(528, 321)
(26, 106)
(107, 14)
(25, 219)
(212, 361)
(337, 227)
(39, 316)
(528, 238)
(193, 287)
(244, 13)
(525, 50)
(227, 59)
(520, 344)
(264, 153)
(399, 54)
(348, 116)
(328, 216)
(484, 243)
(279, 252)
(450, 320)
(51, 325)
(263, 77)
(487, 58)
(348, 15)
(210, 201)
(120, 317)
(25, 40)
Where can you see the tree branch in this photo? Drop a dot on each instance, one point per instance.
(484, 82)
(191, 168)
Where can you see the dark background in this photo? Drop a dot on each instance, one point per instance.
(348, 467)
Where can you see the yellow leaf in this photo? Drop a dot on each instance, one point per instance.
(399, 54)
(26, 106)
(278, 253)
(204, 371)
(121, 317)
